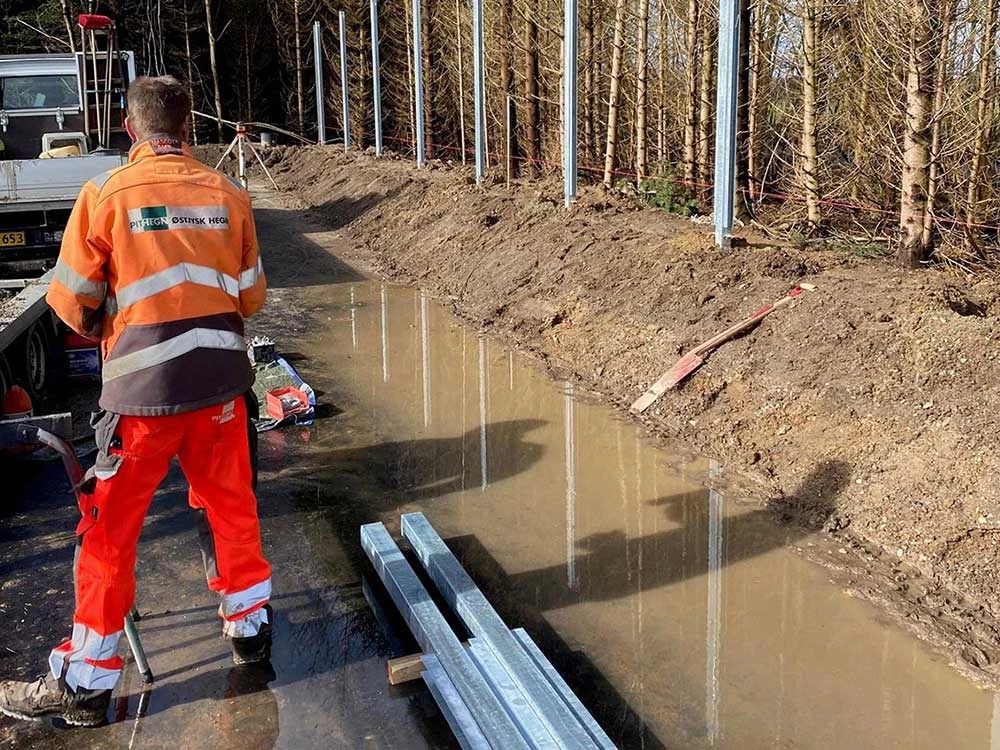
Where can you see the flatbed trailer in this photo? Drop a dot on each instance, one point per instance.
(30, 338)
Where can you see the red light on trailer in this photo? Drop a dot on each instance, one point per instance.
(93, 22)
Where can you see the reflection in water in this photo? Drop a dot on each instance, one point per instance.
(354, 321)
(570, 488)
(713, 637)
(679, 615)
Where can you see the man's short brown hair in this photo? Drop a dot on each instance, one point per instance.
(158, 106)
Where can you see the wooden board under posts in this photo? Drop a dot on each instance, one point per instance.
(407, 668)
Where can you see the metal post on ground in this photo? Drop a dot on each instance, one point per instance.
(318, 65)
(570, 82)
(376, 79)
(725, 121)
(418, 82)
(478, 88)
(345, 105)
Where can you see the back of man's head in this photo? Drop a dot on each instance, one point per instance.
(158, 106)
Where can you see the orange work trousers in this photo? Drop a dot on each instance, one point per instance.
(212, 447)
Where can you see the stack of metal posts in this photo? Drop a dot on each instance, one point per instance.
(499, 694)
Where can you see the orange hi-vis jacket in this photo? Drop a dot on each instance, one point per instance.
(160, 262)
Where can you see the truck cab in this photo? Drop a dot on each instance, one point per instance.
(51, 143)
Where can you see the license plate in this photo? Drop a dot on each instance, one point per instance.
(12, 239)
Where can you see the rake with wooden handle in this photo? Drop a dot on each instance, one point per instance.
(695, 358)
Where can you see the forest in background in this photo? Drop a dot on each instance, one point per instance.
(871, 120)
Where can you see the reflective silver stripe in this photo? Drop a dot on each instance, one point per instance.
(101, 179)
(79, 284)
(175, 276)
(178, 346)
(248, 279)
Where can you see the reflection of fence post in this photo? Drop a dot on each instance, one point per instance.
(418, 82)
(425, 350)
(318, 66)
(345, 101)
(376, 79)
(713, 635)
(385, 337)
(478, 87)
(570, 144)
(483, 414)
(570, 430)
(725, 121)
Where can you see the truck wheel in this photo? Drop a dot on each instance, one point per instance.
(37, 346)
(5, 379)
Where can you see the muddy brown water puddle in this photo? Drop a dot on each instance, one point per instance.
(682, 615)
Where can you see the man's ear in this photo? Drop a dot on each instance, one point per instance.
(186, 130)
(130, 130)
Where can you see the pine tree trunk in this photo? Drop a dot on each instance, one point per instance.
(534, 116)
(916, 137)
(661, 72)
(507, 82)
(641, 149)
(409, 74)
(427, 41)
(691, 62)
(761, 46)
(461, 76)
(68, 20)
(984, 116)
(190, 75)
(706, 91)
(214, 67)
(299, 94)
(940, 78)
(744, 204)
(614, 99)
(589, 134)
(247, 52)
(811, 12)
(862, 126)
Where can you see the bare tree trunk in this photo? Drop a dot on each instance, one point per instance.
(705, 105)
(427, 42)
(940, 78)
(299, 93)
(190, 75)
(916, 140)
(641, 154)
(614, 98)
(461, 76)
(862, 125)
(533, 119)
(409, 74)
(811, 13)
(744, 204)
(214, 67)
(249, 76)
(68, 20)
(691, 61)
(589, 132)
(661, 104)
(762, 44)
(507, 82)
(984, 114)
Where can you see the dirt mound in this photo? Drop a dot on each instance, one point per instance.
(888, 371)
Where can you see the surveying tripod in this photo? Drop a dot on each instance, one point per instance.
(242, 144)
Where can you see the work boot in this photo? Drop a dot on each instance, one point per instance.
(255, 648)
(48, 698)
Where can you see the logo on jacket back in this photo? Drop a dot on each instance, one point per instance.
(165, 218)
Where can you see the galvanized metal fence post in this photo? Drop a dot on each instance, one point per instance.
(418, 82)
(318, 65)
(478, 88)
(725, 121)
(376, 79)
(345, 101)
(570, 134)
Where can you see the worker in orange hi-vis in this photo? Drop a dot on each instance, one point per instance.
(159, 262)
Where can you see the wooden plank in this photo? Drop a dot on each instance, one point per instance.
(482, 621)
(407, 668)
(436, 637)
(566, 693)
(457, 714)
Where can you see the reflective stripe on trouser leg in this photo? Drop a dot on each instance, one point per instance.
(88, 660)
(243, 612)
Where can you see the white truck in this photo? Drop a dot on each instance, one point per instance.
(61, 123)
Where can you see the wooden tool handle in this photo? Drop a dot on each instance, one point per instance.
(744, 324)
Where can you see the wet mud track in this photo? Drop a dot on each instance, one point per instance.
(681, 614)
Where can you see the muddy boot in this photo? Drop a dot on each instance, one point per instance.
(48, 698)
(256, 648)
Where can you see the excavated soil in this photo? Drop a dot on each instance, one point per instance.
(890, 372)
